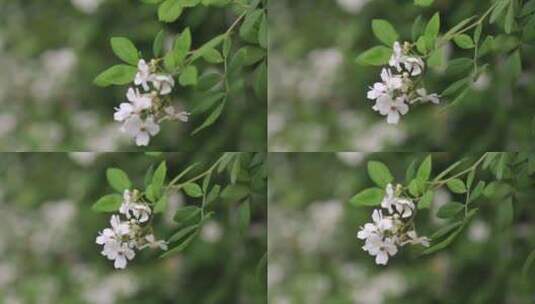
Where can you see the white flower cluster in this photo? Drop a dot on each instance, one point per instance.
(399, 86)
(121, 240)
(148, 104)
(396, 228)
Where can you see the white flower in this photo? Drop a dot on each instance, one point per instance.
(120, 228)
(140, 101)
(143, 75)
(120, 252)
(134, 209)
(366, 231)
(380, 248)
(424, 97)
(415, 240)
(163, 83)
(172, 114)
(389, 199)
(106, 236)
(382, 223)
(140, 129)
(393, 203)
(123, 112)
(415, 65)
(392, 108)
(153, 243)
(404, 207)
(397, 57)
(388, 86)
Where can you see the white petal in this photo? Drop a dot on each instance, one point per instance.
(132, 125)
(152, 127)
(120, 262)
(381, 258)
(393, 118)
(142, 138)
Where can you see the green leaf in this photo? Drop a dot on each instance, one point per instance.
(505, 214)
(170, 10)
(211, 119)
(125, 50)
(414, 187)
(424, 171)
(234, 173)
(384, 31)
(244, 215)
(445, 230)
(527, 264)
(181, 233)
(368, 197)
(436, 58)
(426, 200)
(528, 8)
(212, 56)
(476, 193)
(235, 192)
(423, 3)
(248, 27)
(464, 41)
(108, 203)
(410, 172)
(421, 45)
(379, 173)
(376, 56)
(193, 190)
(498, 10)
(187, 215)
(450, 209)
(118, 179)
(182, 46)
(212, 43)
(157, 45)
(188, 76)
(445, 243)
(260, 84)
(158, 179)
(432, 30)
(213, 194)
(253, 55)
(182, 246)
(263, 32)
(514, 64)
(161, 205)
(459, 66)
(457, 186)
(120, 74)
(456, 87)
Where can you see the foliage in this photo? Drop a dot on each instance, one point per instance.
(47, 92)
(50, 255)
(478, 58)
(475, 228)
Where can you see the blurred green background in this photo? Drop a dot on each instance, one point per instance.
(315, 256)
(317, 92)
(47, 237)
(50, 52)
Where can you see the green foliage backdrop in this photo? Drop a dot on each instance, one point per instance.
(315, 256)
(318, 91)
(48, 231)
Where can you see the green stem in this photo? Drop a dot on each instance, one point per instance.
(438, 184)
